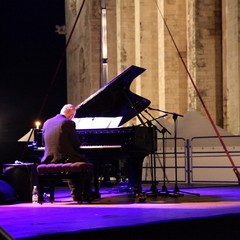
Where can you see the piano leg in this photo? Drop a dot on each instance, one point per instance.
(135, 174)
(98, 164)
(96, 180)
(134, 169)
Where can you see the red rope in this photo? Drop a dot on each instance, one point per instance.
(204, 106)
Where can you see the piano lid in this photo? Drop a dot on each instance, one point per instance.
(115, 99)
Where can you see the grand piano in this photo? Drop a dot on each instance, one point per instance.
(108, 145)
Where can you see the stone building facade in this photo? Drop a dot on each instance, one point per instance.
(190, 49)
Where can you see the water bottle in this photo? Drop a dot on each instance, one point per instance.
(46, 197)
(35, 195)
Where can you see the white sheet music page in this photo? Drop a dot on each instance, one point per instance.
(97, 122)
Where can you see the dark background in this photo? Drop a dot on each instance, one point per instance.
(31, 86)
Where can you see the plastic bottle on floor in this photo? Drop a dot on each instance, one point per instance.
(35, 195)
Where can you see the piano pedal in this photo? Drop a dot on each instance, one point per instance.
(138, 196)
(141, 197)
(122, 186)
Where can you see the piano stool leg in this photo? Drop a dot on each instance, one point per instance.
(45, 182)
(51, 189)
(40, 188)
(97, 194)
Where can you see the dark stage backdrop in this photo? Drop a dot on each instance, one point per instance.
(30, 52)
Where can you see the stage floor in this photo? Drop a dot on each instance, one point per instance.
(214, 214)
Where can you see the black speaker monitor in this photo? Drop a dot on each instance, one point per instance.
(7, 193)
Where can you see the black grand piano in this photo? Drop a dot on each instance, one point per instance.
(130, 144)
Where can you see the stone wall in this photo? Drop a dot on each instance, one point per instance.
(231, 65)
(83, 51)
(177, 41)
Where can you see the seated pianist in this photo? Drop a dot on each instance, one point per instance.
(62, 146)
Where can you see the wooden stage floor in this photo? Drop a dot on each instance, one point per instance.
(214, 214)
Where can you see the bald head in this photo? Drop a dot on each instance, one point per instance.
(68, 111)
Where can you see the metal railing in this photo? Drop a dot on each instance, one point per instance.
(209, 161)
(199, 160)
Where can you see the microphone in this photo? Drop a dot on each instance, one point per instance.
(148, 121)
(178, 115)
(158, 121)
(173, 113)
(164, 115)
(155, 109)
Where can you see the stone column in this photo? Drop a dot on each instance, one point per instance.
(231, 65)
(147, 50)
(83, 51)
(205, 56)
(172, 45)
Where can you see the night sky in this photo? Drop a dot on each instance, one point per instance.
(30, 53)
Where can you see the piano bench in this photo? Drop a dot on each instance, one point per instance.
(49, 174)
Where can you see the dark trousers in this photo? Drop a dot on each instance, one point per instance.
(80, 185)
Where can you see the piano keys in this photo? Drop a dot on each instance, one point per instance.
(135, 138)
(99, 146)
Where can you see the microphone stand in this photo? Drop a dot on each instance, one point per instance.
(164, 188)
(154, 189)
(176, 192)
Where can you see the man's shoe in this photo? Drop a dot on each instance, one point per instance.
(77, 199)
(88, 198)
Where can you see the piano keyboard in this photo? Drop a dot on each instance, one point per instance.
(90, 147)
(99, 146)
(40, 148)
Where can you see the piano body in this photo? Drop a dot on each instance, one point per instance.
(131, 144)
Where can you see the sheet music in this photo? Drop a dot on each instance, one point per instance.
(97, 122)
